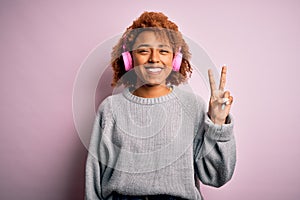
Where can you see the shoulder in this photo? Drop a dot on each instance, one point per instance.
(193, 104)
(109, 101)
(189, 98)
(107, 108)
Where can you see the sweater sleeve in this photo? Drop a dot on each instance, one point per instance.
(95, 166)
(214, 151)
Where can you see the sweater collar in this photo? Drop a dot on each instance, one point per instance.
(141, 100)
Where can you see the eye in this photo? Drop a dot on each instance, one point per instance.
(164, 51)
(143, 51)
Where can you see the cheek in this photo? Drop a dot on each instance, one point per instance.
(134, 61)
(139, 60)
(168, 61)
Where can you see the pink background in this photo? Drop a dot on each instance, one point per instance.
(43, 43)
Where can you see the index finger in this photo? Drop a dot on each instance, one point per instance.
(223, 78)
(212, 82)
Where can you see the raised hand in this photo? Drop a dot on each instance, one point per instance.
(220, 101)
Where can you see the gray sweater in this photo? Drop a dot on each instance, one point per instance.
(163, 145)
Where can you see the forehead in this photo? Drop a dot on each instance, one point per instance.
(152, 38)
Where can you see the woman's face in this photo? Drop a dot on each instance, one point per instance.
(152, 58)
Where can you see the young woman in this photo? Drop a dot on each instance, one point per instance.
(154, 140)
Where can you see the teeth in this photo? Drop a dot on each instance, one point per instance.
(154, 69)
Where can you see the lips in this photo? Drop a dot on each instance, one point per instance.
(153, 70)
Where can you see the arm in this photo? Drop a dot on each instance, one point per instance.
(97, 154)
(93, 165)
(215, 152)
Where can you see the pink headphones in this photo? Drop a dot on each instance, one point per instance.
(128, 60)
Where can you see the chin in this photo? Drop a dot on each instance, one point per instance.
(154, 83)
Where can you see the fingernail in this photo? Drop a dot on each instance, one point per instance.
(225, 100)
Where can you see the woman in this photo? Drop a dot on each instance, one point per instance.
(154, 140)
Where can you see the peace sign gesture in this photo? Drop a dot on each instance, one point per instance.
(220, 101)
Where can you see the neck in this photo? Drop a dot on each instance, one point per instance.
(152, 91)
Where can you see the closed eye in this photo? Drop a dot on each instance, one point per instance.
(164, 51)
(143, 51)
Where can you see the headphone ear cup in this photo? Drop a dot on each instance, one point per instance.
(177, 61)
(127, 60)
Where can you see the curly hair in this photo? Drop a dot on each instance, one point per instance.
(159, 23)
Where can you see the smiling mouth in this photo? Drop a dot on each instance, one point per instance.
(154, 69)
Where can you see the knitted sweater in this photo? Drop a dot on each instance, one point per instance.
(163, 145)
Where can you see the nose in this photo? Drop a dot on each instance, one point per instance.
(154, 56)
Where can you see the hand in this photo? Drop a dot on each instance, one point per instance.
(220, 101)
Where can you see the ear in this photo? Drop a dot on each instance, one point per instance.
(177, 61)
(127, 60)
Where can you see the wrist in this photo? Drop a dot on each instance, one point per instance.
(216, 120)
